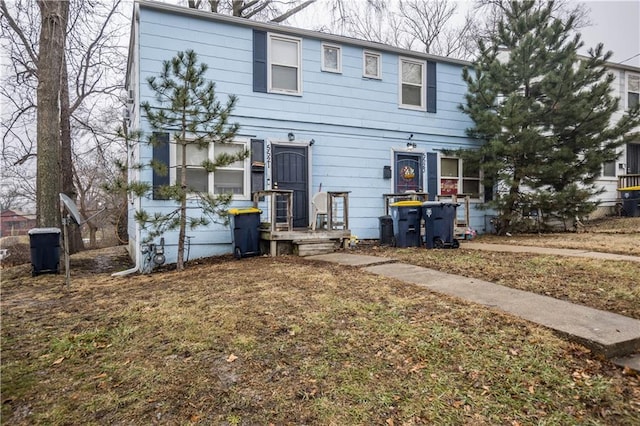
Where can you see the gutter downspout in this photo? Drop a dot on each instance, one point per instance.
(136, 268)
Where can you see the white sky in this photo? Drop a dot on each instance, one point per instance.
(616, 24)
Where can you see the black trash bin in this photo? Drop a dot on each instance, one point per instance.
(439, 219)
(386, 230)
(246, 232)
(406, 223)
(630, 201)
(45, 250)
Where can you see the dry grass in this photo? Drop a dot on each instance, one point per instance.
(290, 341)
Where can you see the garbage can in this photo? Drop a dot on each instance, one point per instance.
(406, 223)
(386, 230)
(439, 220)
(246, 232)
(45, 250)
(630, 201)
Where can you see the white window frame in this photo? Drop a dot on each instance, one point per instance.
(460, 178)
(270, 87)
(377, 55)
(338, 69)
(627, 91)
(423, 100)
(246, 177)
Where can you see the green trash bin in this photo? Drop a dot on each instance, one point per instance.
(406, 223)
(246, 232)
(45, 250)
(630, 201)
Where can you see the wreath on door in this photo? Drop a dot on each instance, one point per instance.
(407, 173)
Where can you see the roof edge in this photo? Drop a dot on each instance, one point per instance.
(268, 26)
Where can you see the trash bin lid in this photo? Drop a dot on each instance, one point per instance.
(406, 204)
(247, 210)
(630, 188)
(44, 231)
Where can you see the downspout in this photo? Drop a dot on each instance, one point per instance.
(136, 268)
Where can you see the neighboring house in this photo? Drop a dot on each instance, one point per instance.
(318, 111)
(16, 223)
(625, 171)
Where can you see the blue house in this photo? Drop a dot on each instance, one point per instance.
(320, 113)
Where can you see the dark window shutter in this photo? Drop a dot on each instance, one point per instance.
(432, 175)
(259, 61)
(257, 165)
(160, 155)
(431, 86)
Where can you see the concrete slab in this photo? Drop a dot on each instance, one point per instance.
(349, 259)
(603, 332)
(549, 251)
(631, 362)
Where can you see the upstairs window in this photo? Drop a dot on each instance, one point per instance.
(371, 65)
(633, 90)
(412, 78)
(284, 64)
(331, 58)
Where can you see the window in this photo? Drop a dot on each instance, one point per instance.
(197, 176)
(412, 84)
(331, 58)
(633, 90)
(371, 65)
(228, 179)
(284, 64)
(609, 169)
(451, 183)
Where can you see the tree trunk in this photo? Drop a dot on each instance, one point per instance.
(74, 237)
(52, 40)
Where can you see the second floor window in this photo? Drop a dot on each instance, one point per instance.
(633, 90)
(371, 65)
(331, 58)
(412, 84)
(284, 64)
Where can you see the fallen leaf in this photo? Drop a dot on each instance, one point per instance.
(232, 358)
(532, 390)
(58, 361)
(100, 376)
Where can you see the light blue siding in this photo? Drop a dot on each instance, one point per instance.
(355, 122)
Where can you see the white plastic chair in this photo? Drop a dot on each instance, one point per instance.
(318, 208)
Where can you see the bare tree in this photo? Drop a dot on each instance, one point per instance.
(89, 84)
(54, 16)
(263, 10)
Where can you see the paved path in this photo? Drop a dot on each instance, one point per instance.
(605, 333)
(546, 250)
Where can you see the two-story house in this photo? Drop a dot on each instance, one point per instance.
(625, 171)
(318, 111)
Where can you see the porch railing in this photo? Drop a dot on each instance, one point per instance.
(625, 181)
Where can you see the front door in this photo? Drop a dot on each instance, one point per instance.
(290, 171)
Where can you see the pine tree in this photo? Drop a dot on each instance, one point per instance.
(544, 114)
(186, 105)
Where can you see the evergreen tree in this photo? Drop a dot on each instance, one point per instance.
(187, 106)
(544, 114)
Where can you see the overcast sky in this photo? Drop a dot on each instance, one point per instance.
(616, 24)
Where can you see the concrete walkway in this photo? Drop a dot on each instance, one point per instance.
(551, 251)
(605, 333)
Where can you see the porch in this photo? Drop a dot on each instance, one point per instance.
(625, 181)
(278, 236)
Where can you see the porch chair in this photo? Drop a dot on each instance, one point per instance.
(319, 208)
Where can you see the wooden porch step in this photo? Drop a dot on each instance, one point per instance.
(313, 247)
